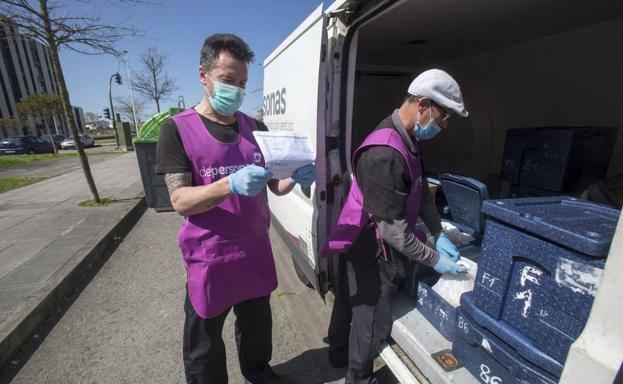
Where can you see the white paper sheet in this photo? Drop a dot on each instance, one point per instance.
(452, 287)
(284, 152)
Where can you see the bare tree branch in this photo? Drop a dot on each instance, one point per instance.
(80, 33)
(86, 34)
(91, 117)
(153, 81)
(123, 105)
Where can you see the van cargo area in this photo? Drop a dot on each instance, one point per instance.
(524, 65)
(542, 83)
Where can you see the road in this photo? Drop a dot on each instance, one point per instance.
(126, 325)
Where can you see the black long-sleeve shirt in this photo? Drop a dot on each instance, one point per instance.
(385, 182)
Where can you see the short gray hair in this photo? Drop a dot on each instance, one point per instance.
(411, 98)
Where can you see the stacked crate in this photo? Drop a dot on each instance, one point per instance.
(539, 270)
(553, 161)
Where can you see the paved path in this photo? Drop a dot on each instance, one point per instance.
(56, 167)
(126, 326)
(42, 227)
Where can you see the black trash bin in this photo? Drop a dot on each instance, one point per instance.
(156, 193)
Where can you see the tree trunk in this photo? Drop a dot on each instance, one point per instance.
(55, 125)
(46, 124)
(58, 71)
(153, 72)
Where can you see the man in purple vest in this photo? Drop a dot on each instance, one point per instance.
(376, 227)
(215, 174)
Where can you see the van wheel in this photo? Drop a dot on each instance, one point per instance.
(299, 273)
(31, 152)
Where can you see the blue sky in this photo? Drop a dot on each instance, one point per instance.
(178, 28)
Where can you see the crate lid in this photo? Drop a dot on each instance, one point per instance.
(150, 130)
(574, 223)
(519, 342)
(464, 196)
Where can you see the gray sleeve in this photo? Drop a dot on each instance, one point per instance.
(428, 211)
(400, 236)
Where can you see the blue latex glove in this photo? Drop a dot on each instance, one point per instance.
(305, 176)
(445, 246)
(249, 181)
(445, 265)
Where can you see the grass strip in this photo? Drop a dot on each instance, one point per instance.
(8, 183)
(103, 202)
(8, 161)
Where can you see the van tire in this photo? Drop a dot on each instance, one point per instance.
(299, 273)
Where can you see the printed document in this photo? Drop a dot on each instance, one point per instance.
(284, 152)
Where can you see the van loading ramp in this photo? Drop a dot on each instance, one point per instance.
(420, 340)
(417, 340)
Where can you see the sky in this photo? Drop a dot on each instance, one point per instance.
(178, 29)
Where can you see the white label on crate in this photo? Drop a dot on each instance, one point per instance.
(486, 345)
(443, 314)
(543, 314)
(463, 325)
(488, 280)
(485, 375)
(530, 274)
(580, 278)
(526, 296)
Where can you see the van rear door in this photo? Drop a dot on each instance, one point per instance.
(294, 100)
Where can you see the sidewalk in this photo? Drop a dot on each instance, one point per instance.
(47, 241)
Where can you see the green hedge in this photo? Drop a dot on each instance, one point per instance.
(104, 137)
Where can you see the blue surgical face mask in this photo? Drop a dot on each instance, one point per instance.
(226, 99)
(427, 132)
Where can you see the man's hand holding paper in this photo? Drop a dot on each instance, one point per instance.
(285, 153)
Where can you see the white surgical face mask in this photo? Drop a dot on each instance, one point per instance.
(430, 130)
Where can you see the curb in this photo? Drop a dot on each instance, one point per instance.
(42, 304)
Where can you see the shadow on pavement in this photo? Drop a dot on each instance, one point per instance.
(311, 367)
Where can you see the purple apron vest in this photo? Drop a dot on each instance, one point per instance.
(353, 218)
(227, 249)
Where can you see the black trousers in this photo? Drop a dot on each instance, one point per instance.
(361, 315)
(204, 349)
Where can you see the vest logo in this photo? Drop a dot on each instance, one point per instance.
(257, 157)
(227, 170)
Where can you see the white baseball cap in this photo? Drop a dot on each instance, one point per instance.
(440, 87)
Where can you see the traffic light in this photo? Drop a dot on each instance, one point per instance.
(117, 78)
(107, 113)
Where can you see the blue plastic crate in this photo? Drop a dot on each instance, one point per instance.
(436, 310)
(489, 359)
(583, 226)
(540, 265)
(511, 336)
(559, 159)
(464, 196)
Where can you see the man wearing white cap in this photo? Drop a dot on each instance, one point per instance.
(376, 228)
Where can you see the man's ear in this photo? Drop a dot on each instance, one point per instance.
(203, 75)
(423, 104)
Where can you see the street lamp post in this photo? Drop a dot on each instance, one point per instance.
(117, 78)
(127, 66)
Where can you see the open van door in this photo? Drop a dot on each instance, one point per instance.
(294, 100)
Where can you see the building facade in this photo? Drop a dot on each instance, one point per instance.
(79, 116)
(26, 69)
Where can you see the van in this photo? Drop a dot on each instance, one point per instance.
(520, 64)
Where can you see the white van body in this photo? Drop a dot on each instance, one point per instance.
(519, 63)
